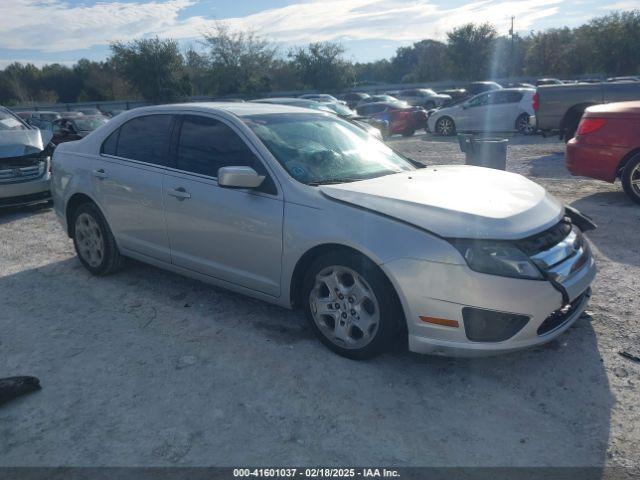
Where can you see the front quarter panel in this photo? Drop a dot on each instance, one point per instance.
(380, 238)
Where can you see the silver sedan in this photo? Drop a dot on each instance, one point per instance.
(305, 210)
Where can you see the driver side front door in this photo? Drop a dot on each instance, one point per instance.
(234, 235)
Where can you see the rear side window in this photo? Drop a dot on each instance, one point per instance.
(110, 145)
(143, 139)
(206, 144)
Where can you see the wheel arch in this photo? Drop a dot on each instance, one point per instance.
(305, 261)
(73, 203)
(575, 111)
(625, 159)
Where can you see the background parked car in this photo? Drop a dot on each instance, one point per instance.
(474, 88)
(400, 118)
(24, 162)
(321, 97)
(380, 98)
(67, 129)
(422, 97)
(548, 81)
(374, 128)
(560, 107)
(89, 111)
(607, 146)
(624, 79)
(495, 111)
(38, 119)
(354, 98)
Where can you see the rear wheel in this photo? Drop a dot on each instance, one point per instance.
(631, 178)
(522, 124)
(445, 126)
(409, 132)
(351, 306)
(94, 242)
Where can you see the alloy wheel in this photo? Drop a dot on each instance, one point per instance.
(445, 126)
(344, 307)
(635, 179)
(89, 239)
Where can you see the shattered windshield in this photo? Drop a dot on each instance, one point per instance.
(318, 149)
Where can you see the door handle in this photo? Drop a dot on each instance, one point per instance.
(180, 193)
(100, 173)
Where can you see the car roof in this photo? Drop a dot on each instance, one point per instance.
(237, 109)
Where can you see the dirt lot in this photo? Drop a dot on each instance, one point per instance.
(149, 368)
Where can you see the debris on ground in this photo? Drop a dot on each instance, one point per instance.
(13, 387)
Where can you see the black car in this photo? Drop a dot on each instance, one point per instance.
(354, 98)
(67, 129)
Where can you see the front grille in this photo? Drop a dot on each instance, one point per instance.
(22, 173)
(545, 240)
(560, 316)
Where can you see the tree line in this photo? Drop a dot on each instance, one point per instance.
(232, 63)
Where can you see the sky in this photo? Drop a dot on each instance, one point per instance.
(63, 31)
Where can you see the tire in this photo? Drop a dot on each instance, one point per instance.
(570, 124)
(631, 175)
(522, 124)
(94, 243)
(445, 126)
(409, 132)
(361, 316)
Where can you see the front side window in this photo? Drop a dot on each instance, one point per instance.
(143, 139)
(206, 144)
(479, 100)
(317, 149)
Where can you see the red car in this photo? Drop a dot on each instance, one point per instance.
(401, 118)
(607, 146)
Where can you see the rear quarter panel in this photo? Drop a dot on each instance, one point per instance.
(556, 100)
(71, 173)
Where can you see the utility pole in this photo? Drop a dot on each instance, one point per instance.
(511, 61)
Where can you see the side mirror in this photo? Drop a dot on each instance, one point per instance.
(239, 177)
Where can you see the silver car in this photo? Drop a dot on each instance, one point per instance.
(302, 209)
(24, 162)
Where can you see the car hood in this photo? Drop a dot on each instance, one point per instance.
(18, 143)
(457, 201)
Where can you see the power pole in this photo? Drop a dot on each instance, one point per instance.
(511, 61)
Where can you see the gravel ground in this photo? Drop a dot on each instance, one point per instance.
(148, 368)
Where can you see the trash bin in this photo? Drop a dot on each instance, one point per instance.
(484, 151)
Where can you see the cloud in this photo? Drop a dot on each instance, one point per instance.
(52, 25)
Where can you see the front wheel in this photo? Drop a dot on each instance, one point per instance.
(631, 178)
(94, 242)
(351, 306)
(445, 126)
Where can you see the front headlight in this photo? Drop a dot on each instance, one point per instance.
(497, 258)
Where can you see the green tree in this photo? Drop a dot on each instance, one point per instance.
(239, 62)
(154, 67)
(470, 50)
(424, 61)
(321, 66)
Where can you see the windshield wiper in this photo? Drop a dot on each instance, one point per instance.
(334, 181)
